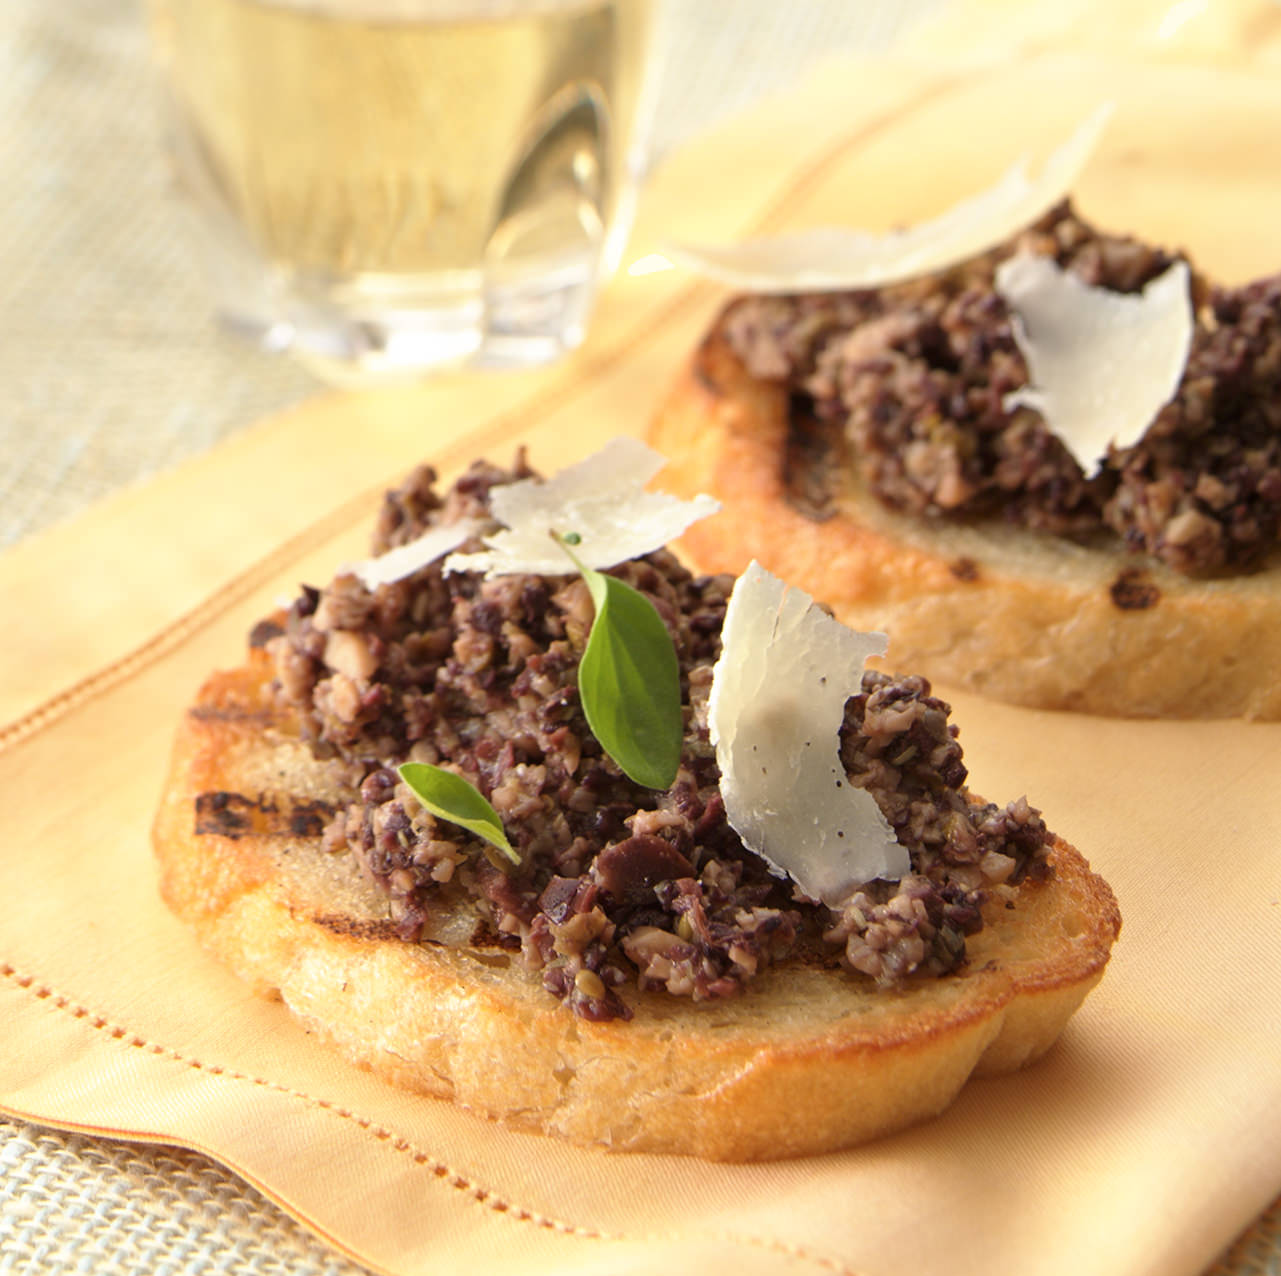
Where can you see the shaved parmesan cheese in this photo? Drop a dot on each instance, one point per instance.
(826, 259)
(406, 559)
(776, 707)
(599, 505)
(1102, 364)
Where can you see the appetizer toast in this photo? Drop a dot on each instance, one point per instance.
(1019, 615)
(635, 976)
(1051, 471)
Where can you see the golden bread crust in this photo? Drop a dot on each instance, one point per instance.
(810, 1059)
(1019, 616)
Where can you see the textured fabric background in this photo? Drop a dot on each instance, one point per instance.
(110, 369)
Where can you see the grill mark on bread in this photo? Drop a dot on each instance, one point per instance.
(221, 813)
(355, 927)
(308, 818)
(1132, 590)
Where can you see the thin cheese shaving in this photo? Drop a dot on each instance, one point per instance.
(600, 506)
(775, 711)
(826, 259)
(1101, 364)
(403, 560)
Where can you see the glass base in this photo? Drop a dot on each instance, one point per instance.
(366, 331)
(361, 247)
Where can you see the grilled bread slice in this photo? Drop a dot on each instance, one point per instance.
(808, 1060)
(1020, 616)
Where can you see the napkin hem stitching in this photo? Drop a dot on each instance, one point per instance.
(42, 991)
(477, 1192)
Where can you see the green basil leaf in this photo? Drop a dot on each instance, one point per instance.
(629, 683)
(452, 798)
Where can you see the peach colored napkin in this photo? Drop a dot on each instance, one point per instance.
(1144, 1143)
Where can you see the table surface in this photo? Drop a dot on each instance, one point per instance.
(111, 370)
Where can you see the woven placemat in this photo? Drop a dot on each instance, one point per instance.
(73, 1204)
(68, 1203)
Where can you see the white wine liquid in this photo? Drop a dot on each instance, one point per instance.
(412, 142)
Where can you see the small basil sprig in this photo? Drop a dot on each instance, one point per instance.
(629, 679)
(452, 798)
(630, 689)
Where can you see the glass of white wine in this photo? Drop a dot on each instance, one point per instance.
(387, 187)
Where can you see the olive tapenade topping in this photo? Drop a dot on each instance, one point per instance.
(618, 885)
(915, 376)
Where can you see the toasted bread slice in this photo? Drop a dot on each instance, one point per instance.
(1020, 616)
(809, 1059)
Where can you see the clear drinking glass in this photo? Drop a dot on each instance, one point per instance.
(389, 186)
